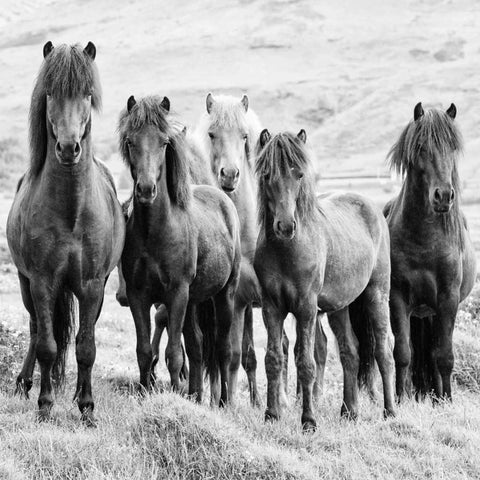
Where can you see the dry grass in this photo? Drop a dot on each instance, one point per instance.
(168, 436)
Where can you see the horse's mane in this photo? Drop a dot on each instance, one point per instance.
(66, 72)
(436, 133)
(228, 113)
(149, 111)
(275, 161)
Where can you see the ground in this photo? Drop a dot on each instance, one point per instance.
(349, 73)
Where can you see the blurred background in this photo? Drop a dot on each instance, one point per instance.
(349, 73)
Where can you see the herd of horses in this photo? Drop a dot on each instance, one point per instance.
(224, 219)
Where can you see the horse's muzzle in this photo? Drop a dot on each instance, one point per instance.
(146, 193)
(69, 153)
(228, 179)
(285, 230)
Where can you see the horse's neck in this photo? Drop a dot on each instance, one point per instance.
(245, 200)
(415, 213)
(67, 187)
(154, 220)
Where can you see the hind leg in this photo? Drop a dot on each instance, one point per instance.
(376, 305)
(273, 319)
(90, 304)
(24, 379)
(236, 339)
(249, 358)
(442, 352)
(194, 345)
(348, 346)
(320, 355)
(224, 308)
(305, 360)
(400, 321)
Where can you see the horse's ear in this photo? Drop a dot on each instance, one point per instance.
(90, 50)
(165, 104)
(131, 103)
(302, 135)
(418, 111)
(47, 48)
(244, 102)
(210, 101)
(264, 137)
(452, 111)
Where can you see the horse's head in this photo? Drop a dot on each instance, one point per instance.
(280, 166)
(427, 152)
(143, 143)
(69, 85)
(228, 131)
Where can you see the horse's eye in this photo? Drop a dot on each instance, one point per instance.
(245, 136)
(211, 135)
(300, 175)
(128, 143)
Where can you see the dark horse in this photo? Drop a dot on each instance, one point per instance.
(65, 229)
(318, 254)
(433, 260)
(182, 248)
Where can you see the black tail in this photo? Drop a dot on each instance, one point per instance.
(63, 325)
(421, 343)
(363, 329)
(208, 324)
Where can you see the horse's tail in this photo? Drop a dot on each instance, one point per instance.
(208, 324)
(363, 329)
(421, 343)
(63, 326)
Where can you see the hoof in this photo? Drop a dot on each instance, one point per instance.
(271, 416)
(309, 425)
(389, 413)
(43, 414)
(88, 419)
(348, 414)
(23, 386)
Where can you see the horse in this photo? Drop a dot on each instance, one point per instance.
(65, 228)
(317, 254)
(200, 174)
(432, 256)
(182, 249)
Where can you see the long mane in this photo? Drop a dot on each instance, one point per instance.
(228, 113)
(149, 111)
(66, 72)
(436, 134)
(275, 161)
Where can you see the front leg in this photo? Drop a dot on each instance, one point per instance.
(273, 319)
(90, 304)
(306, 317)
(402, 354)
(140, 306)
(177, 307)
(442, 351)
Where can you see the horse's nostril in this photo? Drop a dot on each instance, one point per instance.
(237, 173)
(452, 195)
(436, 195)
(294, 225)
(222, 172)
(77, 148)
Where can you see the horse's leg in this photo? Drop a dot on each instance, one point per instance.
(24, 379)
(284, 388)
(236, 338)
(273, 319)
(121, 294)
(224, 308)
(320, 355)
(305, 360)
(177, 307)
(194, 346)
(442, 352)
(90, 304)
(161, 321)
(401, 330)
(377, 308)
(140, 307)
(249, 357)
(348, 346)
(43, 297)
